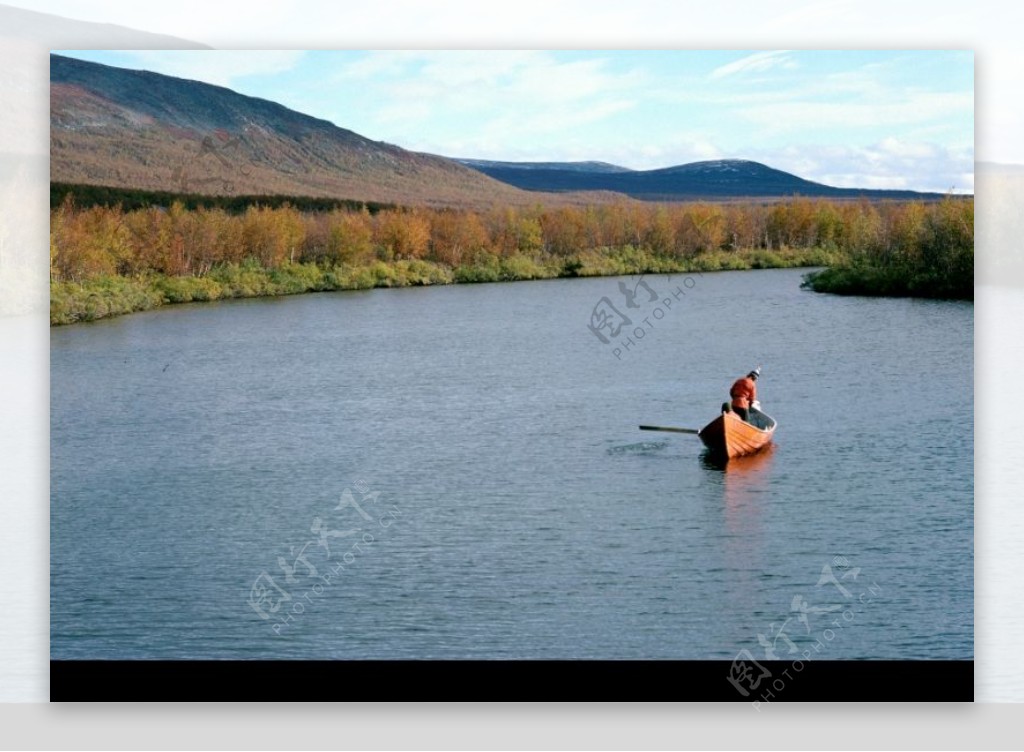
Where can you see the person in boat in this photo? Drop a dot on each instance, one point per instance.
(744, 393)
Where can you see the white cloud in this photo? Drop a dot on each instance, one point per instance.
(914, 107)
(858, 180)
(492, 95)
(220, 67)
(891, 163)
(894, 147)
(756, 63)
(501, 138)
(557, 119)
(484, 79)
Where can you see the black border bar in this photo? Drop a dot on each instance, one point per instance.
(475, 680)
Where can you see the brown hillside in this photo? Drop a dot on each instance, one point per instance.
(137, 129)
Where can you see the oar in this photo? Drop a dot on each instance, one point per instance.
(668, 428)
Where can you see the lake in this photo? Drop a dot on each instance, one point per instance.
(456, 472)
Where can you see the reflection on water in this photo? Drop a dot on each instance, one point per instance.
(744, 497)
(743, 480)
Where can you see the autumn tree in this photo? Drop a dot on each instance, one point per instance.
(402, 234)
(87, 243)
(564, 230)
(828, 226)
(272, 236)
(456, 236)
(701, 228)
(350, 237)
(661, 232)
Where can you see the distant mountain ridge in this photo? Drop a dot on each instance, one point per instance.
(712, 179)
(602, 167)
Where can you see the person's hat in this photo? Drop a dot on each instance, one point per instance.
(755, 373)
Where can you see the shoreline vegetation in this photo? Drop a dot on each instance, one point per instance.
(106, 296)
(930, 255)
(107, 260)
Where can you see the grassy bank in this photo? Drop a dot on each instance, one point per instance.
(113, 295)
(928, 254)
(890, 282)
(107, 260)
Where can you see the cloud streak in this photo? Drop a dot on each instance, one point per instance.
(486, 98)
(921, 107)
(757, 63)
(890, 163)
(218, 67)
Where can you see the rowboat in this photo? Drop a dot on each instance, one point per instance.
(730, 436)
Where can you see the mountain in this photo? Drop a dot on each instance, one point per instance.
(487, 164)
(712, 180)
(137, 129)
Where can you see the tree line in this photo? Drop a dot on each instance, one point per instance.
(182, 237)
(85, 195)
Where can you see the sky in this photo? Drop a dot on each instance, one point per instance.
(865, 119)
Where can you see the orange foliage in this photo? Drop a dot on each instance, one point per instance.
(456, 236)
(402, 235)
(86, 243)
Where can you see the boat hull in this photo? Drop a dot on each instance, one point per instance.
(730, 436)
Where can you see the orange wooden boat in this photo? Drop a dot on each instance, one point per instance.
(730, 436)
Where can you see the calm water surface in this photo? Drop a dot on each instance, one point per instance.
(502, 503)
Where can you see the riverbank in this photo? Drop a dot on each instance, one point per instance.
(885, 282)
(113, 295)
(109, 260)
(927, 254)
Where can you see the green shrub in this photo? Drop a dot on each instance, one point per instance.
(486, 268)
(291, 278)
(245, 280)
(187, 289)
(522, 268)
(99, 298)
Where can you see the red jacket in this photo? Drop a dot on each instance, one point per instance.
(743, 392)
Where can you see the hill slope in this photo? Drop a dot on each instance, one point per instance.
(127, 128)
(717, 179)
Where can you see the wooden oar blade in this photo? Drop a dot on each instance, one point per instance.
(669, 429)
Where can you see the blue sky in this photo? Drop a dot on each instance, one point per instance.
(875, 119)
